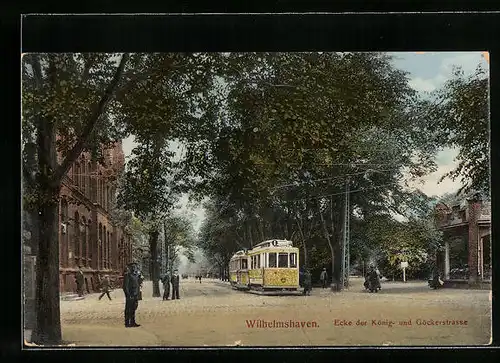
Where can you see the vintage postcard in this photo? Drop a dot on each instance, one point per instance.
(269, 199)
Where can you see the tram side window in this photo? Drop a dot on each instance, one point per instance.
(258, 262)
(244, 264)
(272, 259)
(293, 260)
(283, 260)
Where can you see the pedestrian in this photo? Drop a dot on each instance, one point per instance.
(199, 278)
(79, 278)
(323, 277)
(140, 278)
(307, 282)
(105, 287)
(131, 288)
(166, 286)
(175, 285)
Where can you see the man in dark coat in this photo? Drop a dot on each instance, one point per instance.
(131, 288)
(79, 281)
(307, 282)
(166, 286)
(175, 285)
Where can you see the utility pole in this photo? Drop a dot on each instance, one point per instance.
(344, 279)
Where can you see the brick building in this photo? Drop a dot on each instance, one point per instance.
(88, 237)
(467, 234)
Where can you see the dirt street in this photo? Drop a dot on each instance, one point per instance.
(212, 314)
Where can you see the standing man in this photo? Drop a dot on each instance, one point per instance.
(175, 285)
(79, 281)
(166, 286)
(105, 286)
(131, 288)
(323, 277)
(307, 282)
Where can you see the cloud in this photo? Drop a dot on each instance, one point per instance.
(422, 85)
(468, 61)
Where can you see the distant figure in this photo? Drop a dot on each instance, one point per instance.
(199, 277)
(307, 282)
(323, 277)
(175, 285)
(79, 278)
(131, 288)
(166, 286)
(105, 286)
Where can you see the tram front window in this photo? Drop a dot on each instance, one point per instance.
(272, 260)
(283, 260)
(244, 264)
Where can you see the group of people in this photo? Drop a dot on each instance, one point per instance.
(166, 281)
(305, 280)
(372, 279)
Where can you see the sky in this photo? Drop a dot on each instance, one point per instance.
(427, 71)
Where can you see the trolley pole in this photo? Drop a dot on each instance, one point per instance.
(344, 282)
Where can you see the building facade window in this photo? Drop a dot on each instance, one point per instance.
(84, 242)
(90, 243)
(99, 248)
(104, 242)
(83, 165)
(89, 180)
(76, 237)
(76, 180)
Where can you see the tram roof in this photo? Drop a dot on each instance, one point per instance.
(275, 243)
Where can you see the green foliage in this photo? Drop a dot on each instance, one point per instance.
(460, 118)
(292, 128)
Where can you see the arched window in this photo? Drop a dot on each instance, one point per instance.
(90, 243)
(64, 211)
(104, 243)
(102, 193)
(112, 254)
(99, 247)
(82, 174)
(84, 242)
(76, 235)
(76, 180)
(89, 180)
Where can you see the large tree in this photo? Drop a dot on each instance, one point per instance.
(84, 102)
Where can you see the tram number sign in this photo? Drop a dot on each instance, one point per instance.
(404, 264)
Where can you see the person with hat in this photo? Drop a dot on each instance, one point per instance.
(323, 277)
(175, 285)
(131, 288)
(79, 278)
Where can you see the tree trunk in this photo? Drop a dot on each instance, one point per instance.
(155, 275)
(48, 318)
(250, 234)
(261, 230)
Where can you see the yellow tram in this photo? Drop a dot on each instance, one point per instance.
(271, 265)
(238, 270)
